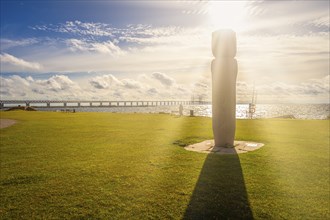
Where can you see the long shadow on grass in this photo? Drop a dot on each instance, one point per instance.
(220, 191)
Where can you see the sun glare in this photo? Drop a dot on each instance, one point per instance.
(227, 14)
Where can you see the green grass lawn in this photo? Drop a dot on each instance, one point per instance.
(132, 166)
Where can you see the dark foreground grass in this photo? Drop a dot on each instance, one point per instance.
(132, 166)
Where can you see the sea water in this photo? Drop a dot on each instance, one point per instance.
(299, 111)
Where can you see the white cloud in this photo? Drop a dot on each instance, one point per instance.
(154, 49)
(78, 28)
(281, 45)
(139, 33)
(105, 30)
(99, 84)
(55, 88)
(108, 87)
(131, 84)
(145, 86)
(283, 58)
(323, 21)
(311, 91)
(105, 81)
(106, 47)
(152, 91)
(7, 59)
(9, 43)
(163, 79)
(57, 83)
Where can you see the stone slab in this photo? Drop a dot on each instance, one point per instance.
(239, 147)
(6, 123)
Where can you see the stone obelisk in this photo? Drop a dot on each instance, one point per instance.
(224, 74)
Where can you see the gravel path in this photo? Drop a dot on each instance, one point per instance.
(6, 123)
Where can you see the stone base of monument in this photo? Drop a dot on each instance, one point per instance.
(238, 148)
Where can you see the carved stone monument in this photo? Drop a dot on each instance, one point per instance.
(224, 74)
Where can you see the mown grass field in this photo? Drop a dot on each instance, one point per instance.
(132, 166)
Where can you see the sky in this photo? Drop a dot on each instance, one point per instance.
(161, 50)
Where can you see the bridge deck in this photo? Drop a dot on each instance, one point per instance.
(96, 103)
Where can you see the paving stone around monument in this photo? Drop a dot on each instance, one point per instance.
(6, 123)
(239, 147)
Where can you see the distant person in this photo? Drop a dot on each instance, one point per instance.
(181, 110)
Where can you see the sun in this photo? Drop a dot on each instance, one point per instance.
(227, 14)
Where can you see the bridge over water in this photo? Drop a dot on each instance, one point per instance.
(94, 103)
